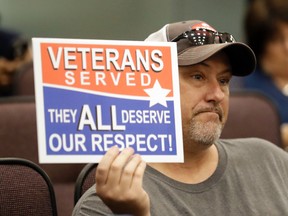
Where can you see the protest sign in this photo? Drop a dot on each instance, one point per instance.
(94, 94)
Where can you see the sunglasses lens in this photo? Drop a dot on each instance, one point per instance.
(200, 37)
(227, 38)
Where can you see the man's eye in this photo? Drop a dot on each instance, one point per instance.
(224, 81)
(197, 76)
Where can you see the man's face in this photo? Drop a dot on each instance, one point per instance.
(204, 89)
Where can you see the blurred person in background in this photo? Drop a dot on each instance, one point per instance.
(15, 52)
(266, 31)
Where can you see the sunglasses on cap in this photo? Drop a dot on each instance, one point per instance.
(199, 37)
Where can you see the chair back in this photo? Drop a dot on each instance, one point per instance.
(25, 189)
(18, 138)
(18, 131)
(23, 82)
(252, 114)
(85, 180)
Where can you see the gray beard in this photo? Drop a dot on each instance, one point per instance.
(204, 133)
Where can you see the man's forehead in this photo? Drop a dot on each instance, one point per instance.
(219, 58)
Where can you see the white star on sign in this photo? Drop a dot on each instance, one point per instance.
(157, 94)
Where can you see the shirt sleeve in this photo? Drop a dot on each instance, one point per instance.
(90, 204)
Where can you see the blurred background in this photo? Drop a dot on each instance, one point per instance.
(115, 19)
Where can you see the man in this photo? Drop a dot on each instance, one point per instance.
(218, 177)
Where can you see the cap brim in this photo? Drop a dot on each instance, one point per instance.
(242, 58)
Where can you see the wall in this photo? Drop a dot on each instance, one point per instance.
(115, 19)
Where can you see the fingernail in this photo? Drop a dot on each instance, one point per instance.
(114, 148)
(129, 150)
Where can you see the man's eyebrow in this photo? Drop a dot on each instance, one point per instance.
(228, 69)
(204, 64)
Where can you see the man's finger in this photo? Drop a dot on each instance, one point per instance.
(103, 167)
(138, 174)
(118, 165)
(129, 170)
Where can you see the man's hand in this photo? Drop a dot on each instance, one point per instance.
(119, 180)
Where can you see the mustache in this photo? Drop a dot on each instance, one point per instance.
(215, 109)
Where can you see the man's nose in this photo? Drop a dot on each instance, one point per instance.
(215, 92)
